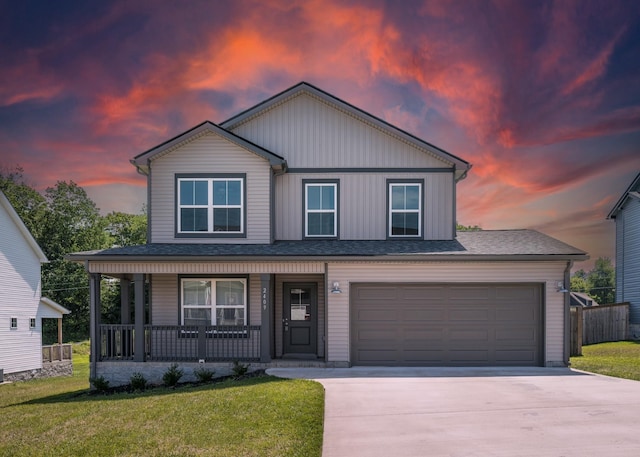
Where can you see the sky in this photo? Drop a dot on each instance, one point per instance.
(541, 97)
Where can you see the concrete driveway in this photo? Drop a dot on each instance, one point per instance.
(537, 412)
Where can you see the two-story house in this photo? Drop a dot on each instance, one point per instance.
(626, 214)
(305, 230)
(22, 307)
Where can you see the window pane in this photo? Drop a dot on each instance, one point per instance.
(313, 197)
(411, 224)
(201, 193)
(229, 293)
(197, 293)
(227, 219)
(219, 192)
(397, 197)
(186, 193)
(404, 224)
(234, 193)
(328, 197)
(230, 316)
(412, 197)
(193, 220)
(321, 224)
(197, 316)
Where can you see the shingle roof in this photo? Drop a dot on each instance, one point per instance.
(479, 244)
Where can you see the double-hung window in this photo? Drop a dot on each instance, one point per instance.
(209, 301)
(405, 209)
(320, 209)
(212, 206)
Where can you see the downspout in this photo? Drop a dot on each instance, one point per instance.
(567, 314)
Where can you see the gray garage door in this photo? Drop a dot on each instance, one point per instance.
(446, 324)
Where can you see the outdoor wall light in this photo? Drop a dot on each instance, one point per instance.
(561, 287)
(336, 288)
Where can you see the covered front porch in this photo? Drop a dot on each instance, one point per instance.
(208, 314)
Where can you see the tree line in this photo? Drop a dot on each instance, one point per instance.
(64, 220)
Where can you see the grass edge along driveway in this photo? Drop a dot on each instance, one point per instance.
(620, 359)
(262, 416)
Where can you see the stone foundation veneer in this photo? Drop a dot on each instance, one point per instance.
(119, 373)
(48, 370)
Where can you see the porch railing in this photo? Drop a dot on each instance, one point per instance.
(182, 343)
(56, 352)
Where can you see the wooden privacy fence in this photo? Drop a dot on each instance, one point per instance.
(598, 324)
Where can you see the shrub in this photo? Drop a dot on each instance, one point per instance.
(203, 374)
(172, 375)
(138, 381)
(239, 369)
(100, 384)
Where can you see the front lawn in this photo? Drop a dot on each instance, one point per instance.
(620, 359)
(261, 416)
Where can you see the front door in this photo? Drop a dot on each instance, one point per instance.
(299, 318)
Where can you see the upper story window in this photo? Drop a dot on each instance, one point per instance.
(321, 209)
(211, 206)
(405, 209)
(214, 301)
(14, 322)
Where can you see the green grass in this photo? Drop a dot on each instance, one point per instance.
(262, 416)
(620, 359)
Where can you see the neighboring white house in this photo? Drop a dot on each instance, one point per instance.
(626, 214)
(21, 306)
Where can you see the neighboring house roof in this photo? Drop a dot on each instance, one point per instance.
(477, 245)
(633, 191)
(53, 306)
(141, 161)
(461, 166)
(4, 201)
(582, 299)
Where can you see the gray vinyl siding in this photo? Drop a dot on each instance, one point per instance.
(210, 153)
(363, 204)
(545, 273)
(311, 133)
(20, 289)
(628, 258)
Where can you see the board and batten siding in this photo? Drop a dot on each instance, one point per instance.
(311, 133)
(210, 153)
(546, 273)
(165, 299)
(363, 204)
(628, 258)
(20, 289)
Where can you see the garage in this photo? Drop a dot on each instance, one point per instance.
(446, 324)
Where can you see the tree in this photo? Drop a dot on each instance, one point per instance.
(599, 283)
(602, 281)
(467, 228)
(72, 224)
(28, 203)
(126, 229)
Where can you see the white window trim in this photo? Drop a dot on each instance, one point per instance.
(210, 205)
(213, 306)
(308, 211)
(13, 323)
(392, 211)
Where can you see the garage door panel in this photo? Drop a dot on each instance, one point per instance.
(424, 314)
(470, 314)
(375, 315)
(446, 324)
(474, 293)
(424, 293)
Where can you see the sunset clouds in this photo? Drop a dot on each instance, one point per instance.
(543, 98)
